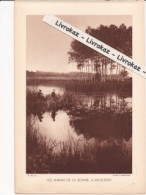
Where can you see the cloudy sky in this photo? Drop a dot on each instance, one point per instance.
(47, 47)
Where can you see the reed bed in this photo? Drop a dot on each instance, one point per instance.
(75, 156)
(86, 86)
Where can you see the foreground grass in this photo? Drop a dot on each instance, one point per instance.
(75, 156)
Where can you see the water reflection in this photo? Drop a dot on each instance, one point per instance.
(53, 115)
(100, 100)
(105, 100)
(65, 128)
(89, 131)
(59, 130)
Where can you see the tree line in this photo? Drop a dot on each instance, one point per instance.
(94, 66)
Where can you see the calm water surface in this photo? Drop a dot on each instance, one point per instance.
(62, 126)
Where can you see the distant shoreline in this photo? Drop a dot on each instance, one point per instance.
(70, 78)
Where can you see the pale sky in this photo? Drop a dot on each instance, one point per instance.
(47, 47)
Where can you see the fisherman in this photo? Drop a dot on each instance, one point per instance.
(40, 94)
(53, 94)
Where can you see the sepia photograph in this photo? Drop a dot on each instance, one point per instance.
(78, 101)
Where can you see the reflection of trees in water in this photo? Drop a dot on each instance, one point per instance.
(104, 101)
(37, 110)
(37, 103)
(106, 124)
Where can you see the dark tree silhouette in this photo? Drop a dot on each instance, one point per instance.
(91, 62)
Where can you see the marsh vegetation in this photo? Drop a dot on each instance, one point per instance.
(78, 132)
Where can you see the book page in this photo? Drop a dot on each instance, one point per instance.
(79, 116)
